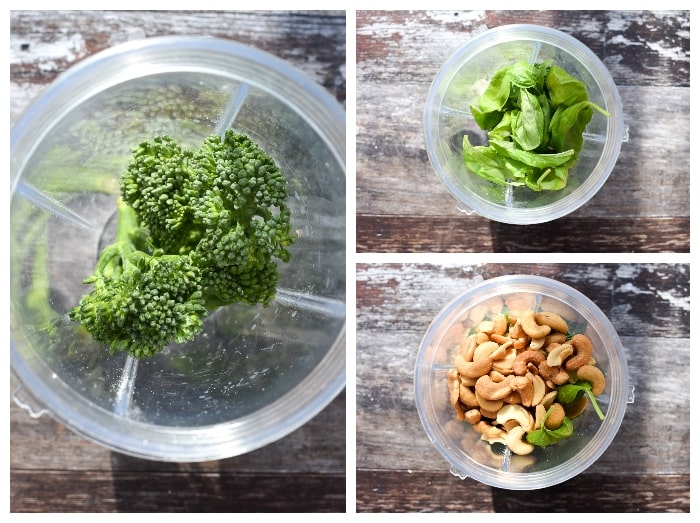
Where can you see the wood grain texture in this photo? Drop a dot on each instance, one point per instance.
(649, 306)
(418, 491)
(647, 194)
(45, 43)
(54, 470)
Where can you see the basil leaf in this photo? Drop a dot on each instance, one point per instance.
(497, 92)
(528, 124)
(564, 431)
(490, 165)
(567, 393)
(484, 162)
(563, 88)
(532, 159)
(502, 130)
(485, 120)
(522, 74)
(539, 437)
(568, 124)
(535, 115)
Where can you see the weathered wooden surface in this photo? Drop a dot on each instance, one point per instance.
(645, 469)
(644, 205)
(53, 469)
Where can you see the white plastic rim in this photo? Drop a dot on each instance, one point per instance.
(162, 55)
(427, 366)
(612, 102)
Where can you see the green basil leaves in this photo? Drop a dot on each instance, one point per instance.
(535, 115)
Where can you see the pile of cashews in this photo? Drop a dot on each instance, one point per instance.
(507, 372)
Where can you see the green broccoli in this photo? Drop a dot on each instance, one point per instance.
(142, 298)
(197, 229)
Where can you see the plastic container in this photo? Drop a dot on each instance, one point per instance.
(495, 465)
(255, 374)
(464, 77)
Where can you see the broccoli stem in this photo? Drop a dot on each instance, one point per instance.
(131, 239)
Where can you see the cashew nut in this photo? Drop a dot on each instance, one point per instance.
(500, 324)
(494, 435)
(453, 387)
(594, 376)
(537, 343)
(556, 417)
(485, 326)
(525, 357)
(489, 432)
(491, 390)
(467, 396)
(467, 347)
(489, 349)
(556, 375)
(556, 356)
(472, 416)
(538, 388)
(514, 441)
(549, 399)
(554, 337)
(531, 327)
(553, 320)
(472, 369)
(525, 388)
(576, 408)
(489, 405)
(505, 365)
(540, 411)
(515, 412)
(583, 350)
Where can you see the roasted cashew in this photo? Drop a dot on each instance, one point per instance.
(556, 375)
(538, 388)
(467, 347)
(576, 408)
(493, 434)
(555, 418)
(485, 326)
(537, 343)
(554, 337)
(515, 412)
(549, 399)
(453, 387)
(558, 355)
(505, 365)
(491, 390)
(501, 338)
(515, 442)
(488, 349)
(525, 357)
(500, 324)
(472, 369)
(594, 376)
(531, 327)
(525, 388)
(583, 350)
(467, 396)
(472, 416)
(488, 405)
(540, 411)
(553, 320)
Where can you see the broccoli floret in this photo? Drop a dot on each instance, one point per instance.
(142, 298)
(242, 204)
(197, 229)
(158, 184)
